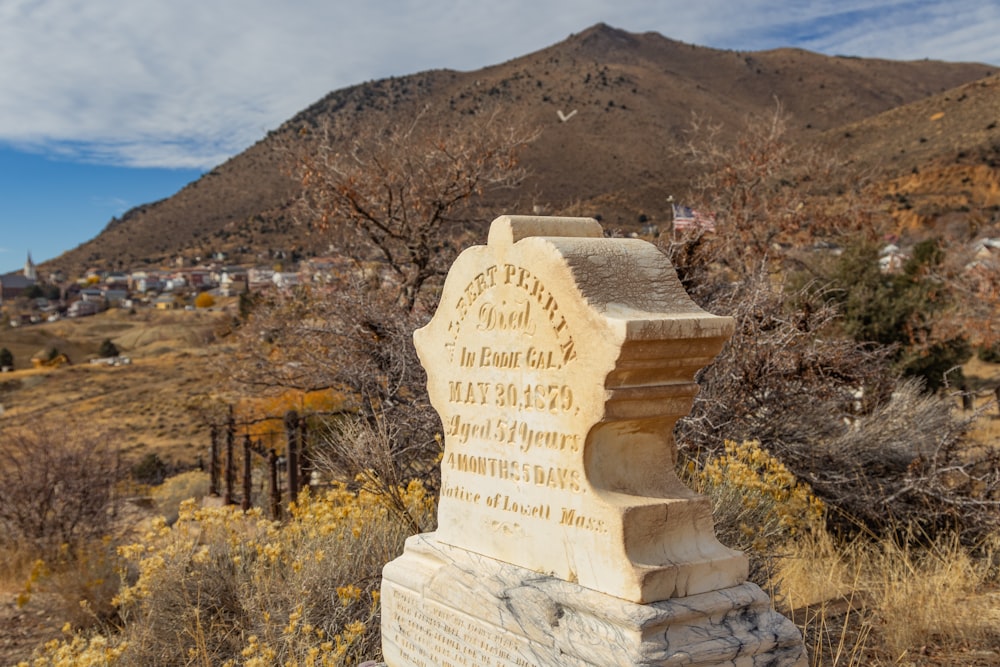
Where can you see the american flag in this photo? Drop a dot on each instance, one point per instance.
(689, 218)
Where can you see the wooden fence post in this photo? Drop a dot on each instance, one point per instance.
(247, 477)
(272, 481)
(227, 499)
(213, 463)
(292, 453)
(305, 462)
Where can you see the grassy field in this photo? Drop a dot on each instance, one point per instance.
(151, 403)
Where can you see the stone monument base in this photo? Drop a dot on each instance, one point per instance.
(443, 606)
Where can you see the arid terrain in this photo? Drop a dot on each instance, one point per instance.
(151, 403)
(917, 141)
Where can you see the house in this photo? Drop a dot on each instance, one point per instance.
(284, 280)
(148, 284)
(116, 297)
(145, 281)
(13, 285)
(174, 284)
(83, 308)
(92, 295)
(165, 302)
(232, 281)
(326, 269)
(116, 280)
(259, 278)
(198, 277)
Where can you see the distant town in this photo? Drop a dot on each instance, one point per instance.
(28, 297)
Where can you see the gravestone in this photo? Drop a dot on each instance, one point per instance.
(559, 362)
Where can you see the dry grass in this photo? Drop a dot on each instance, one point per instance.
(220, 585)
(879, 603)
(866, 601)
(168, 497)
(930, 598)
(151, 402)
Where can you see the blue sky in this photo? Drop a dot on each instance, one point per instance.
(108, 104)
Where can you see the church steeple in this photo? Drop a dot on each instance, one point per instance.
(29, 268)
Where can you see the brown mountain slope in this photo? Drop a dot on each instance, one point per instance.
(633, 96)
(936, 160)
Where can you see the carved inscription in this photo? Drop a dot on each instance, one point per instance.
(552, 398)
(430, 635)
(512, 315)
(509, 413)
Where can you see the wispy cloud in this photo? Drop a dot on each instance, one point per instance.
(188, 83)
(116, 204)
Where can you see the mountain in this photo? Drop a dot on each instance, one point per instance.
(629, 99)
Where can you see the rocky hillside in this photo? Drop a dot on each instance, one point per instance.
(629, 99)
(936, 161)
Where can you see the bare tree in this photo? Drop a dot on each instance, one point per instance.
(770, 198)
(353, 338)
(58, 484)
(398, 201)
(402, 194)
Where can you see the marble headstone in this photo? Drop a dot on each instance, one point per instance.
(559, 362)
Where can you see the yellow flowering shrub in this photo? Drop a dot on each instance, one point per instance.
(757, 503)
(77, 651)
(765, 481)
(224, 587)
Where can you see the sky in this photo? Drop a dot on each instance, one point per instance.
(109, 104)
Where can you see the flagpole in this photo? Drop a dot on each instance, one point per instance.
(673, 232)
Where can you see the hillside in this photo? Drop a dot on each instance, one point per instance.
(634, 96)
(935, 160)
(148, 403)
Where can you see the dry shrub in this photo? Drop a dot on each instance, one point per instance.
(174, 490)
(58, 485)
(373, 454)
(904, 468)
(779, 379)
(60, 505)
(879, 451)
(84, 580)
(354, 339)
(221, 585)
